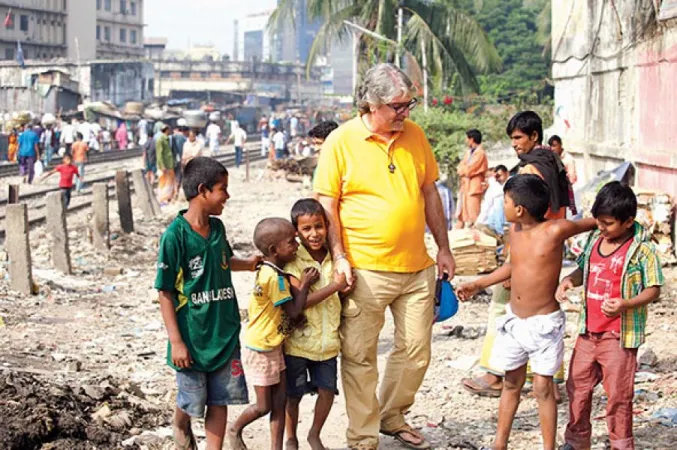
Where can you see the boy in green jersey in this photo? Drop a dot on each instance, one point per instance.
(199, 306)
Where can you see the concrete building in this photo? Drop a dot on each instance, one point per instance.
(342, 61)
(115, 81)
(40, 26)
(228, 81)
(255, 42)
(294, 41)
(614, 68)
(49, 92)
(119, 29)
(155, 47)
(80, 30)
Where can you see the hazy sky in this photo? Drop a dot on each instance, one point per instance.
(198, 22)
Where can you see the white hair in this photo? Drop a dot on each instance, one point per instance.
(383, 83)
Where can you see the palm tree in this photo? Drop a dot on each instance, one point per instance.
(454, 43)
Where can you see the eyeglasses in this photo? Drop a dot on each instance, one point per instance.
(400, 108)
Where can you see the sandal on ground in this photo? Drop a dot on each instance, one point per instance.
(408, 429)
(481, 387)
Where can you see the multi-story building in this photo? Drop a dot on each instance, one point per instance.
(155, 47)
(39, 25)
(294, 40)
(254, 39)
(80, 30)
(119, 28)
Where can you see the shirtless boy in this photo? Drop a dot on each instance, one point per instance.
(533, 327)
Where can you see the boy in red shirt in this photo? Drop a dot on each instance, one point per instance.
(67, 171)
(622, 275)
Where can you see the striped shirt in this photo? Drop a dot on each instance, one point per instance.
(641, 270)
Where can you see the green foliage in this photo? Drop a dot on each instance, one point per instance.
(520, 31)
(452, 40)
(445, 128)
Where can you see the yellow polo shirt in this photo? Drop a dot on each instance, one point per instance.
(382, 213)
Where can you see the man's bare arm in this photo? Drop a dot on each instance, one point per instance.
(437, 222)
(331, 206)
(341, 264)
(434, 216)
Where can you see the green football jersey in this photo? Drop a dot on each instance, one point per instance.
(197, 273)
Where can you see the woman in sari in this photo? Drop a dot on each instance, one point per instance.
(165, 167)
(121, 136)
(13, 145)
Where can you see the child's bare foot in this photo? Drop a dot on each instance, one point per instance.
(315, 442)
(235, 441)
(183, 438)
(292, 444)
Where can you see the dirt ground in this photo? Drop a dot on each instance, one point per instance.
(83, 363)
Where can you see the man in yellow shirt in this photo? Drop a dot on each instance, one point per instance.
(376, 180)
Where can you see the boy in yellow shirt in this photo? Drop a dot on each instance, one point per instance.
(311, 350)
(272, 309)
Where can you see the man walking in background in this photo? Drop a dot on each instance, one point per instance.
(239, 137)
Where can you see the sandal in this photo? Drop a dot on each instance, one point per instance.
(409, 430)
(478, 386)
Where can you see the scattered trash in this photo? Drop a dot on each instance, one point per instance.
(113, 271)
(462, 332)
(58, 357)
(666, 416)
(114, 236)
(2, 322)
(645, 377)
(644, 395)
(647, 357)
(464, 363)
(108, 289)
(81, 261)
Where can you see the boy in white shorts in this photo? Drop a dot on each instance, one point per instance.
(533, 327)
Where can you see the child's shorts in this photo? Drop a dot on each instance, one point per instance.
(305, 376)
(538, 339)
(264, 368)
(224, 386)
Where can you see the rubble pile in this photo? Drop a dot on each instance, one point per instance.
(38, 414)
(292, 166)
(655, 213)
(474, 251)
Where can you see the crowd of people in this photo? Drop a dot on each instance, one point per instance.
(328, 273)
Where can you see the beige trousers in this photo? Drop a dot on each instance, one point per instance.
(410, 298)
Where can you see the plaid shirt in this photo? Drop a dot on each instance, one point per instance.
(641, 270)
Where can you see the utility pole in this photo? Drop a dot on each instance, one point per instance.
(424, 60)
(400, 20)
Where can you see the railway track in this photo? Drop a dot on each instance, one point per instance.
(12, 170)
(228, 160)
